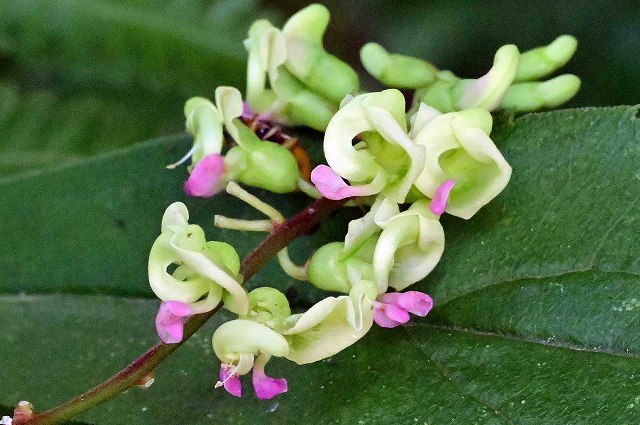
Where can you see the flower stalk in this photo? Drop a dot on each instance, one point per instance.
(140, 368)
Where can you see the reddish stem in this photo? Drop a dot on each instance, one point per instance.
(128, 377)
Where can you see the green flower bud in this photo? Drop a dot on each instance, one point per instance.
(308, 61)
(254, 162)
(543, 61)
(453, 94)
(268, 306)
(268, 166)
(438, 94)
(526, 97)
(330, 270)
(396, 70)
(487, 91)
(300, 105)
(305, 83)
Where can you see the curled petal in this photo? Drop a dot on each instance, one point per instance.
(170, 321)
(414, 302)
(389, 315)
(332, 186)
(230, 380)
(205, 179)
(487, 91)
(238, 340)
(441, 196)
(331, 325)
(265, 386)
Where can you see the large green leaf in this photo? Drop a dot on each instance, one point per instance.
(166, 47)
(537, 297)
(83, 76)
(43, 127)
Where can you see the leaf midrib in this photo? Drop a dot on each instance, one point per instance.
(525, 277)
(512, 337)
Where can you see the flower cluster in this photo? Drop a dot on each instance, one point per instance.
(409, 168)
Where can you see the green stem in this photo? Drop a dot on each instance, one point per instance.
(128, 377)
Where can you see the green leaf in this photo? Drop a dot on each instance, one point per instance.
(43, 127)
(85, 76)
(106, 211)
(167, 47)
(537, 297)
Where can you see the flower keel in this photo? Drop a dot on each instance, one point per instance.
(170, 321)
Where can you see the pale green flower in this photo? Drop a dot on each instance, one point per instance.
(386, 162)
(391, 248)
(205, 269)
(458, 148)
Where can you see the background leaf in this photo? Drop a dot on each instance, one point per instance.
(85, 68)
(537, 296)
(75, 71)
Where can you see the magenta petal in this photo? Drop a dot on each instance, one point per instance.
(231, 382)
(389, 315)
(414, 302)
(170, 321)
(440, 198)
(267, 387)
(247, 113)
(206, 176)
(331, 185)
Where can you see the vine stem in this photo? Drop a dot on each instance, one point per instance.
(141, 367)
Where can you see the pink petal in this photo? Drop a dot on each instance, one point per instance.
(440, 198)
(247, 113)
(331, 184)
(170, 321)
(389, 315)
(414, 302)
(206, 176)
(231, 382)
(267, 387)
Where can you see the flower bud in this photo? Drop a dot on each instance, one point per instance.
(485, 92)
(543, 61)
(396, 70)
(330, 270)
(268, 305)
(526, 97)
(305, 83)
(308, 61)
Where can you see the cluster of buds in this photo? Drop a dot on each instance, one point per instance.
(252, 161)
(291, 78)
(512, 83)
(409, 167)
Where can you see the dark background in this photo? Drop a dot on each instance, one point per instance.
(83, 76)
